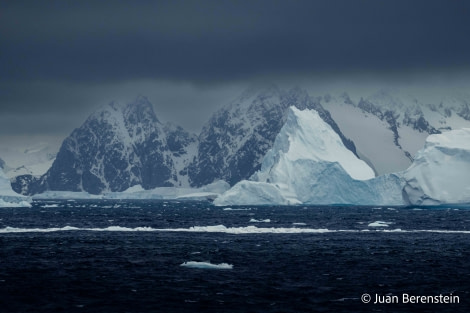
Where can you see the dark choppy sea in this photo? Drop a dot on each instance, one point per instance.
(104, 256)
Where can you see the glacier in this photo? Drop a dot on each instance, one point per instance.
(309, 164)
(137, 192)
(207, 192)
(9, 198)
(31, 158)
(440, 173)
(391, 125)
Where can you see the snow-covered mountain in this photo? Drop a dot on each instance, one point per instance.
(34, 159)
(120, 146)
(309, 164)
(234, 141)
(440, 173)
(117, 147)
(24, 163)
(9, 198)
(390, 126)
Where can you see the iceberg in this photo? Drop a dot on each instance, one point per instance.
(378, 224)
(253, 220)
(440, 172)
(207, 265)
(9, 198)
(309, 164)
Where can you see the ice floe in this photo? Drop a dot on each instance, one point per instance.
(207, 265)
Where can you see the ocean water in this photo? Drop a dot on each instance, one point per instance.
(148, 256)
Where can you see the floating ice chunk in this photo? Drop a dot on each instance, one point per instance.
(207, 265)
(230, 209)
(50, 206)
(249, 230)
(378, 224)
(260, 221)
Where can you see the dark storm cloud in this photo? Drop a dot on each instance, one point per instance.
(60, 59)
(225, 40)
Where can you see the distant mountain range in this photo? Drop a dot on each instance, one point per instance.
(389, 127)
(34, 160)
(120, 146)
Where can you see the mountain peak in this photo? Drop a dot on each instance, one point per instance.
(142, 103)
(258, 90)
(298, 91)
(325, 145)
(141, 109)
(107, 111)
(297, 97)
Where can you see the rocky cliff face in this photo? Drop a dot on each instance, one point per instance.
(117, 147)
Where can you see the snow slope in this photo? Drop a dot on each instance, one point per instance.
(440, 173)
(306, 136)
(372, 136)
(309, 164)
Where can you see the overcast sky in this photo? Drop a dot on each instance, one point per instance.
(60, 60)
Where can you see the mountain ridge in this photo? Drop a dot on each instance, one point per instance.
(123, 145)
